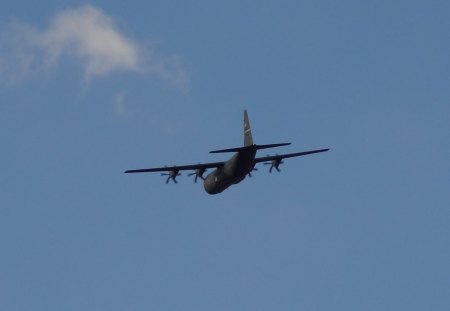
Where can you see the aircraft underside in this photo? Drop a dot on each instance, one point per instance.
(233, 172)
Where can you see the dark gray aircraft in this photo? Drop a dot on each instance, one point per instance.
(232, 171)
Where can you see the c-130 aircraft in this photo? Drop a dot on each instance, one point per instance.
(233, 171)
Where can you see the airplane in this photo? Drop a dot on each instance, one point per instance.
(233, 171)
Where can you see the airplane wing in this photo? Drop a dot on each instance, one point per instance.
(280, 157)
(198, 166)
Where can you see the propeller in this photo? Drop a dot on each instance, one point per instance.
(275, 163)
(171, 175)
(250, 173)
(198, 173)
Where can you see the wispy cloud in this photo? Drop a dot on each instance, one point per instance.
(120, 105)
(88, 35)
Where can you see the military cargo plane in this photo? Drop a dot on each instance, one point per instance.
(233, 171)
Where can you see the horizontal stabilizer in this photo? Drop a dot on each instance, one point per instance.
(257, 147)
(238, 149)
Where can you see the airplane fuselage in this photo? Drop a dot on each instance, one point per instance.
(233, 171)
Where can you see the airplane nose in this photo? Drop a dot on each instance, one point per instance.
(209, 185)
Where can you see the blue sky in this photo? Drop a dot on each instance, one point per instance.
(89, 90)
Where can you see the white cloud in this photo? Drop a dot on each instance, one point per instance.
(92, 36)
(87, 34)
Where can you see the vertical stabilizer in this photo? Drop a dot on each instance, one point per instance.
(248, 139)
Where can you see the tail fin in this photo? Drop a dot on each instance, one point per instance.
(248, 139)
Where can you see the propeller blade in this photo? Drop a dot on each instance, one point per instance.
(250, 173)
(171, 175)
(198, 173)
(275, 163)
